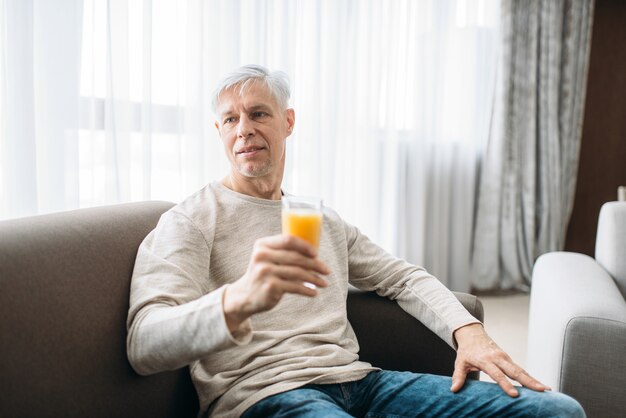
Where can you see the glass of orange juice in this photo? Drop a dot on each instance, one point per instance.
(302, 217)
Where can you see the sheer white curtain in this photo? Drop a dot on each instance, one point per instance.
(39, 63)
(108, 101)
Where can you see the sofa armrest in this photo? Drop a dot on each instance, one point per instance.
(566, 286)
(394, 340)
(611, 241)
(593, 365)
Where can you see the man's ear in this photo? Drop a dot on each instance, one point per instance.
(291, 120)
(217, 126)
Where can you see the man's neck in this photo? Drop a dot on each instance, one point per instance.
(263, 188)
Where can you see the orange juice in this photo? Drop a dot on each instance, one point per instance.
(305, 224)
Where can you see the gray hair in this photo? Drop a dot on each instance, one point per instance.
(277, 82)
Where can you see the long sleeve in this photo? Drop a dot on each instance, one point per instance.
(416, 291)
(175, 317)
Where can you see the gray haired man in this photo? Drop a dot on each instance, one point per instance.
(218, 288)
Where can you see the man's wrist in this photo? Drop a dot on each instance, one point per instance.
(467, 332)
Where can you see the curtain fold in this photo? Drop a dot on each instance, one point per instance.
(528, 176)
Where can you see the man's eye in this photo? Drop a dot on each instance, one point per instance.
(229, 120)
(259, 114)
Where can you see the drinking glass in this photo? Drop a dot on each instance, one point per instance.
(302, 217)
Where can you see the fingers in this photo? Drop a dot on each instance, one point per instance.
(279, 264)
(504, 369)
(281, 287)
(295, 274)
(477, 349)
(458, 378)
(520, 375)
(500, 378)
(288, 242)
(263, 254)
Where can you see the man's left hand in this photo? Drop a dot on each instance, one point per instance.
(478, 352)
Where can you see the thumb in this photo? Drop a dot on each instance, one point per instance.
(458, 378)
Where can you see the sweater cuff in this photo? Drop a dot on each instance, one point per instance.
(243, 334)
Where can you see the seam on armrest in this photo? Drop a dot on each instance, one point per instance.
(567, 329)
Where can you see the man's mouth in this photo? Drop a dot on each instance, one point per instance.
(249, 150)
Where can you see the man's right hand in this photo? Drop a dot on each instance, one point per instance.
(279, 264)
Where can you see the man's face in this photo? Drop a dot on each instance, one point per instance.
(253, 129)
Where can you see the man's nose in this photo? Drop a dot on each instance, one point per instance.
(245, 127)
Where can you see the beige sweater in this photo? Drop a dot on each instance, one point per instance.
(202, 245)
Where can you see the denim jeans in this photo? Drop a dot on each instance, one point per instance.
(402, 394)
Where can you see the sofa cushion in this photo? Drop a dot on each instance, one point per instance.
(64, 287)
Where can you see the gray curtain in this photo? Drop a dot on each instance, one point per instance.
(528, 175)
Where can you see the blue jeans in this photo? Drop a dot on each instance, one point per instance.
(402, 394)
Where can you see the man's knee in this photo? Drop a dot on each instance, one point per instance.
(555, 404)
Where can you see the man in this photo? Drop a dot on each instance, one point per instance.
(218, 288)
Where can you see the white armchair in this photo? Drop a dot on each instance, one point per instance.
(577, 323)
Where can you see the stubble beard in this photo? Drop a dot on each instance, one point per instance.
(255, 170)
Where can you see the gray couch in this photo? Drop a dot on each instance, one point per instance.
(64, 284)
(577, 323)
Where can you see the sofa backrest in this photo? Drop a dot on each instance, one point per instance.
(64, 287)
(611, 242)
